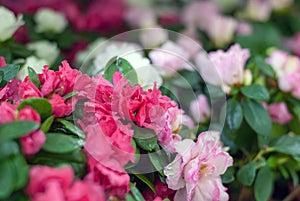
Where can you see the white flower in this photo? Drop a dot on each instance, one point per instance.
(45, 50)
(33, 62)
(147, 39)
(8, 23)
(146, 73)
(90, 52)
(50, 21)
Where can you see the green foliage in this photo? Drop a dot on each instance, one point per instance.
(246, 174)
(263, 185)
(255, 91)
(41, 105)
(8, 72)
(16, 129)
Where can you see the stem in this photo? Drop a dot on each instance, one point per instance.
(293, 194)
(262, 152)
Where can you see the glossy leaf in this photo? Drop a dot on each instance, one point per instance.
(47, 124)
(246, 174)
(228, 176)
(9, 72)
(16, 129)
(256, 91)
(71, 127)
(257, 117)
(60, 143)
(288, 145)
(33, 77)
(234, 114)
(8, 179)
(136, 193)
(41, 105)
(263, 185)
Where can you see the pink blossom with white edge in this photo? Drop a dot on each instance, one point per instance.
(200, 109)
(195, 172)
(279, 113)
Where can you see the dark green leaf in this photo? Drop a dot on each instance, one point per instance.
(1, 76)
(158, 160)
(288, 145)
(118, 64)
(145, 138)
(8, 148)
(33, 77)
(246, 174)
(71, 127)
(9, 71)
(41, 105)
(146, 180)
(60, 143)
(136, 193)
(21, 170)
(256, 91)
(228, 176)
(264, 67)
(293, 174)
(8, 179)
(234, 114)
(257, 117)
(47, 124)
(16, 129)
(136, 154)
(263, 185)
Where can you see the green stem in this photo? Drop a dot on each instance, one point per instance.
(262, 152)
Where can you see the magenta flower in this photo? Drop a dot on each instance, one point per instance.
(195, 172)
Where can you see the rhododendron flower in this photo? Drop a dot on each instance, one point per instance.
(48, 183)
(200, 109)
(8, 23)
(279, 113)
(10, 92)
(287, 68)
(8, 112)
(2, 61)
(59, 106)
(228, 66)
(195, 172)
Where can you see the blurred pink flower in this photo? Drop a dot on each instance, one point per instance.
(228, 66)
(7, 112)
(48, 183)
(195, 172)
(279, 113)
(294, 43)
(221, 30)
(287, 68)
(259, 10)
(244, 28)
(170, 58)
(2, 61)
(200, 109)
(140, 18)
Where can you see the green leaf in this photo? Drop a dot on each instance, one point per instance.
(33, 77)
(234, 114)
(1, 76)
(118, 64)
(60, 143)
(264, 67)
(16, 129)
(21, 170)
(136, 154)
(9, 72)
(47, 124)
(146, 180)
(246, 174)
(8, 179)
(293, 174)
(145, 138)
(129, 197)
(263, 185)
(71, 94)
(41, 105)
(256, 91)
(257, 117)
(158, 160)
(228, 176)
(136, 193)
(287, 145)
(8, 148)
(71, 127)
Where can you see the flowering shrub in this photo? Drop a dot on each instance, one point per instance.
(148, 115)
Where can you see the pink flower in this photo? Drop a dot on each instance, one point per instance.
(49, 81)
(59, 106)
(110, 175)
(200, 109)
(140, 18)
(28, 90)
(279, 113)
(7, 112)
(48, 183)
(2, 62)
(32, 142)
(244, 28)
(195, 172)
(169, 58)
(228, 66)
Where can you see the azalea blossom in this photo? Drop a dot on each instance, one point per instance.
(200, 109)
(9, 23)
(195, 172)
(279, 113)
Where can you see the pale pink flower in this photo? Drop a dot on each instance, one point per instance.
(279, 113)
(221, 30)
(200, 109)
(195, 172)
(228, 67)
(259, 10)
(140, 18)
(244, 28)
(189, 42)
(169, 58)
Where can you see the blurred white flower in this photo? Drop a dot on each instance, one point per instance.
(90, 52)
(259, 10)
(50, 21)
(45, 50)
(280, 4)
(8, 23)
(140, 18)
(147, 39)
(33, 62)
(133, 53)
